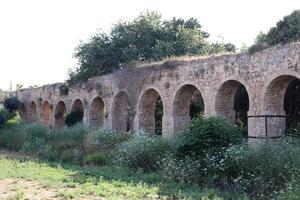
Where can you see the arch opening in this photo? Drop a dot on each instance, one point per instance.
(96, 113)
(150, 112)
(46, 114)
(60, 114)
(76, 114)
(232, 103)
(22, 111)
(121, 121)
(282, 101)
(32, 112)
(188, 104)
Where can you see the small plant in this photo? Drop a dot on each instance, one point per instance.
(64, 90)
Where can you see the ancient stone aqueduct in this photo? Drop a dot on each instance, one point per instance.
(127, 97)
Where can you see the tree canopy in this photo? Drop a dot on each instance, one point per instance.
(146, 38)
(286, 31)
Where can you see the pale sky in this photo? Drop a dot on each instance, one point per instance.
(38, 37)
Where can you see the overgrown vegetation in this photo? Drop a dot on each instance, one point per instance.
(211, 153)
(8, 111)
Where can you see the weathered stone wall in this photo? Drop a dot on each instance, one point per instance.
(124, 99)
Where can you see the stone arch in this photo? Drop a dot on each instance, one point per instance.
(46, 113)
(32, 112)
(121, 112)
(22, 111)
(274, 104)
(182, 102)
(147, 112)
(77, 110)
(96, 112)
(60, 114)
(77, 105)
(228, 104)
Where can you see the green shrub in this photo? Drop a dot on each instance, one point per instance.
(142, 151)
(208, 133)
(24, 137)
(104, 140)
(265, 170)
(66, 145)
(96, 159)
(64, 90)
(182, 170)
(13, 138)
(257, 47)
(14, 121)
(36, 136)
(3, 117)
(74, 117)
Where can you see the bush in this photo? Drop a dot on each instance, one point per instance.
(208, 133)
(36, 136)
(257, 47)
(265, 170)
(14, 121)
(182, 170)
(104, 140)
(74, 117)
(66, 145)
(24, 137)
(96, 159)
(3, 118)
(142, 151)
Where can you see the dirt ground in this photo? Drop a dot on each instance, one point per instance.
(24, 189)
(15, 189)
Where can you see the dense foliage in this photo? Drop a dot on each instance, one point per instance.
(206, 134)
(145, 38)
(8, 111)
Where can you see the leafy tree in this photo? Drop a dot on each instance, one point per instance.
(12, 104)
(147, 37)
(286, 31)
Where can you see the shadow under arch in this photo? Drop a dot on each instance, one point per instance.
(32, 112)
(187, 104)
(96, 112)
(120, 115)
(232, 102)
(22, 112)
(46, 113)
(60, 114)
(282, 102)
(150, 112)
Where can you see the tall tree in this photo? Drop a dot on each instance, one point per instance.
(147, 37)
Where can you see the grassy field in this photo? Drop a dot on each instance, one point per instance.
(23, 177)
